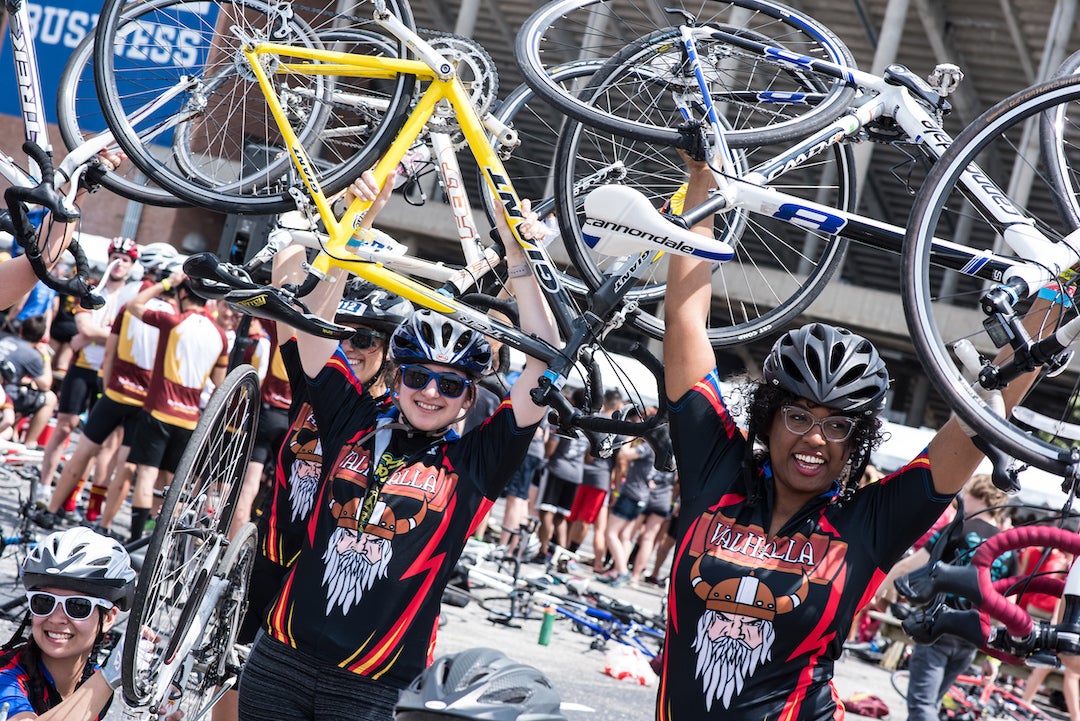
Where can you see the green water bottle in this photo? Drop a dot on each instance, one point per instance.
(546, 626)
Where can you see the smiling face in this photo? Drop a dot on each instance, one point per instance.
(426, 408)
(63, 638)
(805, 466)
(365, 362)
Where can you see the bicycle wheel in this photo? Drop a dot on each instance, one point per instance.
(216, 143)
(899, 680)
(79, 117)
(772, 98)
(518, 606)
(778, 268)
(210, 662)
(1053, 145)
(191, 524)
(942, 298)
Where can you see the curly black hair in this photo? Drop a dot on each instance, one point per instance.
(759, 403)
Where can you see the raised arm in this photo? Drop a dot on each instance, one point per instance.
(688, 356)
(536, 317)
(323, 301)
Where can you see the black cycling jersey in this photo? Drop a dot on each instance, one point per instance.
(757, 622)
(386, 530)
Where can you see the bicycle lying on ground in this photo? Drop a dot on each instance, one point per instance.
(974, 697)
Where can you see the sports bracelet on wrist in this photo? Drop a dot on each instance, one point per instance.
(166, 285)
(518, 271)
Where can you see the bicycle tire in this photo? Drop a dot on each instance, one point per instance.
(778, 269)
(572, 29)
(1053, 145)
(210, 666)
(513, 607)
(931, 293)
(197, 508)
(224, 129)
(79, 117)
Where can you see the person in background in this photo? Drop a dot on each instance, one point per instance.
(29, 360)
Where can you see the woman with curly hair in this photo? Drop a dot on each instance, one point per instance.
(778, 547)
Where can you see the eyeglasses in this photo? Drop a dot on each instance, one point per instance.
(450, 385)
(364, 338)
(801, 421)
(77, 608)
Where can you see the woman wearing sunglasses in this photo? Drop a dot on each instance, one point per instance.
(778, 547)
(356, 616)
(76, 583)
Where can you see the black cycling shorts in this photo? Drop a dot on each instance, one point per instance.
(108, 415)
(79, 390)
(273, 425)
(157, 444)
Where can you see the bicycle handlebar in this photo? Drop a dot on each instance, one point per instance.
(1020, 636)
(45, 195)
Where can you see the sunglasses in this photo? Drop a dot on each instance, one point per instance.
(77, 608)
(800, 422)
(450, 385)
(364, 338)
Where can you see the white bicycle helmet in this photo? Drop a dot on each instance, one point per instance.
(479, 683)
(372, 306)
(428, 337)
(82, 561)
(830, 366)
(160, 257)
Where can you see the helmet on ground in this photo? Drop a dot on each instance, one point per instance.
(479, 683)
(124, 246)
(82, 561)
(427, 337)
(160, 257)
(370, 305)
(830, 366)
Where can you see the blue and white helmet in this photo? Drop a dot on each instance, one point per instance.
(428, 337)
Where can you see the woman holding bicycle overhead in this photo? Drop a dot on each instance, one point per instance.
(777, 549)
(76, 583)
(355, 620)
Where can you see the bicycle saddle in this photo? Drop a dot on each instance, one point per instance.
(620, 220)
(213, 279)
(269, 303)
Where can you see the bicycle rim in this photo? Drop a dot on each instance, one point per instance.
(1054, 157)
(942, 303)
(216, 144)
(79, 116)
(778, 269)
(196, 511)
(569, 30)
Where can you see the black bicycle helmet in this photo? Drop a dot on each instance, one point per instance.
(427, 337)
(82, 561)
(479, 683)
(370, 305)
(829, 366)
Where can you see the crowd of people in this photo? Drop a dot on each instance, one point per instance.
(387, 453)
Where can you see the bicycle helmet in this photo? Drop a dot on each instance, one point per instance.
(479, 683)
(82, 561)
(159, 257)
(124, 246)
(428, 337)
(830, 366)
(372, 306)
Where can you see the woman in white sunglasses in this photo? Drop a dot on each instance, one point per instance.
(77, 581)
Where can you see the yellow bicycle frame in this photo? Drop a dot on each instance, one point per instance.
(335, 253)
